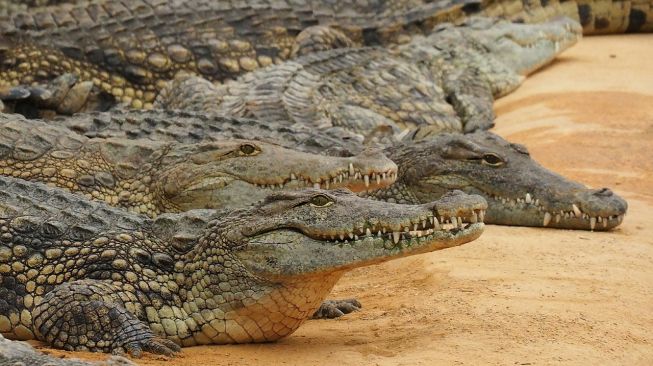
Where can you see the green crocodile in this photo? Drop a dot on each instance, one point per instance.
(519, 190)
(152, 177)
(81, 275)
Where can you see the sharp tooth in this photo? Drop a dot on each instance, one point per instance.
(342, 236)
(423, 224)
(368, 232)
(481, 215)
(576, 210)
(316, 185)
(355, 237)
(592, 223)
(292, 176)
(340, 178)
(537, 202)
(454, 221)
(599, 219)
(547, 219)
(528, 198)
(351, 169)
(385, 176)
(473, 219)
(415, 226)
(395, 237)
(436, 224)
(460, 221)
(383, 230)
(326, 184)
(367, 181)
(378, 179)
(557, 218)
(351, 235)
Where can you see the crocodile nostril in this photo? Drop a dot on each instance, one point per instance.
(603, 192)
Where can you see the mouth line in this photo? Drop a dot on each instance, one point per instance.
(557, 216)
(422, 227)
(345, 176)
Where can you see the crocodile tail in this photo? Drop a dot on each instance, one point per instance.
(615, 16)
(596, 16)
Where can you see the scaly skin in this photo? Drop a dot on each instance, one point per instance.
(13, 353)
(596, 16)
(519, 191)
(427, 169)
(130, 49)
(81, 275)
(444, 82)
(449, 80)
(152, 177)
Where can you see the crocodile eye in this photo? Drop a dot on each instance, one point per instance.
(321, 201)
(492, 160)
(247, 149)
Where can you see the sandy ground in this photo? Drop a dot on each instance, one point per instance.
(516, 296)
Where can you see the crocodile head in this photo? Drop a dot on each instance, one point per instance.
(524, 48)
(235, 172)
(283, 256)
(519, 191)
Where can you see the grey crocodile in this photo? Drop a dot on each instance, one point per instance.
(81, 275)
(518, 189)
(446, 81)
(152, 177)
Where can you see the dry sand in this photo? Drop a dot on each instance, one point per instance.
(516, 296)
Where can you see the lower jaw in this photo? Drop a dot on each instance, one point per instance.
(535, 218)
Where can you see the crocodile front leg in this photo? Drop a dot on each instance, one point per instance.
(97, 316)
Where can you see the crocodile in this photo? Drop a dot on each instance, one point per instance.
(447, 81)
(152, 177)
(518, 189)
(129, 50)
(82, 275)
(15, 353)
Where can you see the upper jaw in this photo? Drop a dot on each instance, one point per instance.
(351, 177)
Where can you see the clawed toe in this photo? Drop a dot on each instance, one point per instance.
(159, 346)
(331, 309)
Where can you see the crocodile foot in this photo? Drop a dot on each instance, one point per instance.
(62, 95)
(156, 345)
(331, 309)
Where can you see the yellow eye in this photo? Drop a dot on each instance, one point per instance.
(492, 160)
(321, 201)
(247, 149)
